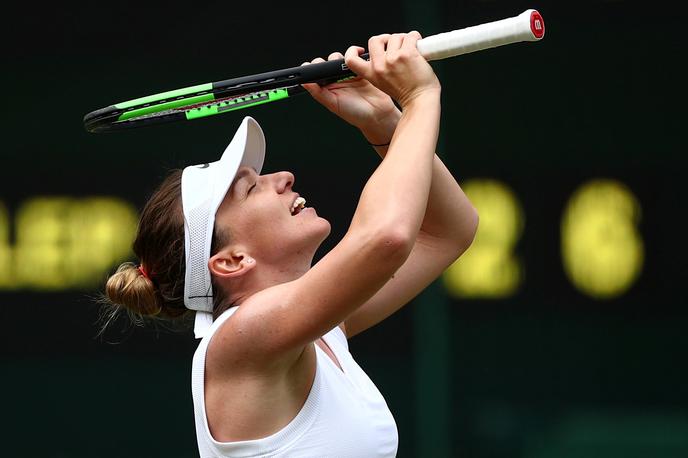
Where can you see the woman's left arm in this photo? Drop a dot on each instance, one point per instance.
(450, 220)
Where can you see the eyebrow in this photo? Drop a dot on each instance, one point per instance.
(243, 174)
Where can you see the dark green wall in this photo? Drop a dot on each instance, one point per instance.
(546, 372)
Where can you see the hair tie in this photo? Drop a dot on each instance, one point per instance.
(143, 272)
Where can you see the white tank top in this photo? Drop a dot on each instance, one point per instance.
(344, 414)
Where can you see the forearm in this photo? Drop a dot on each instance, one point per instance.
(397, 192)
(449, 214)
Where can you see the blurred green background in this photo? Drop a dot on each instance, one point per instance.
(559, 334)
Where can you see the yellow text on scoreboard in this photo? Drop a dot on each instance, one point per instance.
(64, 243)
(602, 251)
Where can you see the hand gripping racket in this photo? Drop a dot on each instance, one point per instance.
(233, 94)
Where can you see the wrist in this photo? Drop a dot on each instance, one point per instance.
(381, 145)
(380, 131)
(429, 96)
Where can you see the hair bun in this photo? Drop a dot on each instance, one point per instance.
(128, 287)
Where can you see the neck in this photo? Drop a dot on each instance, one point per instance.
(264, 276)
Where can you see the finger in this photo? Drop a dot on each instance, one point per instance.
(411, 40)
(335, 56)
(313, 88)
(395, 41)
(354, 62)
(321, 95)
(377, 44)
(317, 60)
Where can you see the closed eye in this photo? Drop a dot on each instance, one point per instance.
(251, 189)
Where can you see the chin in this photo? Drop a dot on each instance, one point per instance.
(313, 233)
(326, 227)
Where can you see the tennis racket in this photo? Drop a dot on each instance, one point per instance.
(248, 91)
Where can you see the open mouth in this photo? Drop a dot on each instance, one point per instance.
(298, 205)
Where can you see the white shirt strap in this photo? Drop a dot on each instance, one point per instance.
(202, 324)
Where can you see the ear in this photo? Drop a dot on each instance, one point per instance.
(230, 264)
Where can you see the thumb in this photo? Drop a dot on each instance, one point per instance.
(357, 65)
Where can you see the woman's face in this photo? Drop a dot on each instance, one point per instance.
(257, 211)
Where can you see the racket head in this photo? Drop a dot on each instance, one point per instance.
(113, 118)
(209, 99)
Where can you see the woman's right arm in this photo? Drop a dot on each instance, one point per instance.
(283, 319)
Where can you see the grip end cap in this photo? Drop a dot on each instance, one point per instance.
(537, 24)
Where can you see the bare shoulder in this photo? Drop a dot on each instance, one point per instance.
(242, 343)
(249, 395)
(258, 337)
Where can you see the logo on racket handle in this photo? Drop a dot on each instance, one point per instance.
(537, 24)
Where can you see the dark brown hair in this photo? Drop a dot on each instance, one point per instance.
(159, 245)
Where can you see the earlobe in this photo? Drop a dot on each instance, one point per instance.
(230, 264)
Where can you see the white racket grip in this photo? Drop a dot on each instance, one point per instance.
(527, 26)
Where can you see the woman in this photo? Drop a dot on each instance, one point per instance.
(273, 375)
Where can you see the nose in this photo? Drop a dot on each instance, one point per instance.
(283, 181)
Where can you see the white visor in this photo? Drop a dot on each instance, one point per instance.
(204, 186)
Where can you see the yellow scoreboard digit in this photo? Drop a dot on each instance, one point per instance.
(602, 250)
(490, 268)
(5, 250)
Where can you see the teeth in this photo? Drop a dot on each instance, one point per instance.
(299, 203)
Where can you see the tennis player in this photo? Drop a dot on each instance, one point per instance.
(272, 375)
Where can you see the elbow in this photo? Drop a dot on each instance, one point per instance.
(474, 220)
(393, 244)
(464, 237)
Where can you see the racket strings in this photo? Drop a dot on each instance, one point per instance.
(272, 84)
(239, 97)
(222, 104)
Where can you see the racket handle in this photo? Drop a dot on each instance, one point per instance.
(527, 26)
